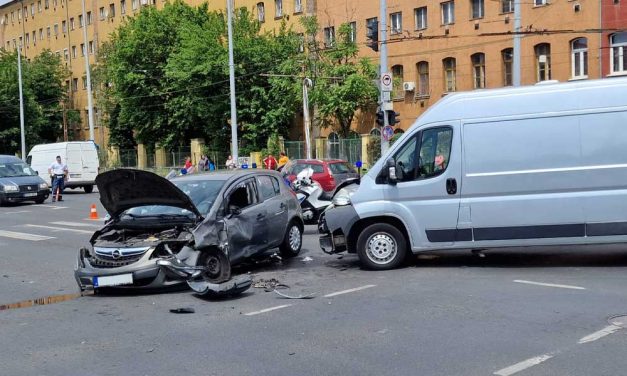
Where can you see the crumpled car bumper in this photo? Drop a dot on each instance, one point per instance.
(334, 226)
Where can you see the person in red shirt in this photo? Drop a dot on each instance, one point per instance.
(270, 162)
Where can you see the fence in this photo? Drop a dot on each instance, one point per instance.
(295, 149)
(348, 149)
(128, 158)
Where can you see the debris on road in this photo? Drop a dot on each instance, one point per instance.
(307, 259)
(307, 296)
(183, 310)
(266, 283)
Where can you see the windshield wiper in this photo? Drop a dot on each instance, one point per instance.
(159, 216)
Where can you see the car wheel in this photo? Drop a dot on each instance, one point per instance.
(293, 240)
(381, 246)
(88, 188)
(217, 267)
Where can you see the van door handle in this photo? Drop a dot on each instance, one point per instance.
(451, 186)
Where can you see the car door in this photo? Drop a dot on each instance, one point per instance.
(276, 207)
(247, 227)
(428, 187)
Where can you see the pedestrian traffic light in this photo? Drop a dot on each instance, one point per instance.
(392, 117)
(380, 118)
(372, 35)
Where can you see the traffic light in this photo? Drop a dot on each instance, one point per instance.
(373, 35)
(380, 120)
(392, 117)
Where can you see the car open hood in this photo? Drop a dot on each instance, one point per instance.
(124, 189)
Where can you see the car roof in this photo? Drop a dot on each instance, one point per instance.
(9, 158)
(226, 175)
(318, 161)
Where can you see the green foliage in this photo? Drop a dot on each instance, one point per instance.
(273, 146)
(43, 94)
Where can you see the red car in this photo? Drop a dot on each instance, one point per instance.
(328, 172)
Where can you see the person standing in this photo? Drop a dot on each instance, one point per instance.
(270, 162)
(58, 173)
(203, 163)
(230, 163)
(283, 160)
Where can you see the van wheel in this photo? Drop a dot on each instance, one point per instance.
(293, 241)
(381, 246)
(88, 188)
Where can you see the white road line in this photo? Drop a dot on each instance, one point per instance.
(522, 365)
(348, 291)
(93, 220)
(52, 206)
(600, 334)
(267, 310)
(73, 224)
(61, 229)
(18, 212)
(549, 285)
(24, 236)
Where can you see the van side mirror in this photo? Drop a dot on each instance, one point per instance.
(392, 177)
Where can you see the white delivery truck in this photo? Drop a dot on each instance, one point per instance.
(81, 158)
(542, 165)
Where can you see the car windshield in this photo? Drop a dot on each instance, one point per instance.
(340, 168)
(202, 192)
(13, 169)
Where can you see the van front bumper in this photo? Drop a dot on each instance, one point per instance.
(334, 226)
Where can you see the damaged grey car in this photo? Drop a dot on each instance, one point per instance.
(191, 229)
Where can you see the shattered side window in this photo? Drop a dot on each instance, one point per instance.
(276, 185)
(266, 187)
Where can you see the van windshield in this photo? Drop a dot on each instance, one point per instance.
(14, 169)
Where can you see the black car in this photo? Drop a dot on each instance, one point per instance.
(18, 182)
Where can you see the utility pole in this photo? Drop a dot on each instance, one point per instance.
(229, 10)
(19, 76)
(306, 120)
(383, 68)
(90, 105)
(517, 37)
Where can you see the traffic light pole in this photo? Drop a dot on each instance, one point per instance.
(383, 68)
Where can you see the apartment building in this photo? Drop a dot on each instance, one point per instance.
(614, 38)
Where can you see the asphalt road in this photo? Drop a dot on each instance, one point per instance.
(532, 312)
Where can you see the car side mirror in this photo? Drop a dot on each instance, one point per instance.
(392, 170)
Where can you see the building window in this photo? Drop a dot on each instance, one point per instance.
(19, 14)
(423, 79)
(102, 13)
(301, 42)
(47, 4)
(39, 6)
(261, 12)
(64, 26)
(84, 81)
(34, 38)
(398, 91)
(91, 47)
(278, 8)
(74, 84)
(449, 74)
(298, 6)
(420, 16)
(73, 52)
(579, 58)
(329, 36)
(72, 23)
(66, 54)
(543, 61)
(507, 6)
(396, 23)
(41, 33)
(478, 70)
(32, 10)
(134, 4)
(89, 18)
(111, 10)
(122, 6)
(352, 37)
(48, 32)
(448, 12)
(27, 39)
(508, 58)
(82, 49)
(539, 2)
(56, 30)
(54, 4)
(477, 10)
(80, 21)
(618, 47)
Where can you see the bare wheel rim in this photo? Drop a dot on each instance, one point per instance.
(294, 238)
(381, 248)
(212, 267)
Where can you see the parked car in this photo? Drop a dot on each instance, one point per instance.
(19, 182)
(542, 165)
(199, 220)
(328, 172)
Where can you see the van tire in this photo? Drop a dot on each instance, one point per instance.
(381, 246)
(88, 188)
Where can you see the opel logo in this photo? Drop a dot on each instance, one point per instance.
(29, 188)
(116, 254)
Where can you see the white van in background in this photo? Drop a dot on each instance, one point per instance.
(81, 158)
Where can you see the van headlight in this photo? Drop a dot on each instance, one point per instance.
(43, 185)
(342, 198)
(10, 188)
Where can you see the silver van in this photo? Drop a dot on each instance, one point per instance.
(528, 166)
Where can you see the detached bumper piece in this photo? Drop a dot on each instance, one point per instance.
(232, 287)
(331, 244)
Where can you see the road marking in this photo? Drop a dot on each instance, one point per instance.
(523, 365)
(24, 236)
(348, 291)
(267, 310)
(93, 220)
(18, 212)
(549, 285)
(61, 229)
(73, 224)
(52, 206)
(600, 334)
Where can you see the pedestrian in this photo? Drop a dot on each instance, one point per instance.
(283, 160)
(203, 163)
(58, 173)
(270, 162)
(212, 165)
(189, 168)
(230, 163)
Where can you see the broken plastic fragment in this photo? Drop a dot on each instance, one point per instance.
(183, 310)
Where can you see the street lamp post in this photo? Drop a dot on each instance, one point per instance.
(22, 130)
(229, 10)
(516, 52)
(306, 119)
(90, 105)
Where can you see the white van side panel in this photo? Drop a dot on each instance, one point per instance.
(90, 161)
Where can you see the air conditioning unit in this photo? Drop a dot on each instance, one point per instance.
(409, 86)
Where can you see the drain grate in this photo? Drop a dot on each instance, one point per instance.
(618, 320)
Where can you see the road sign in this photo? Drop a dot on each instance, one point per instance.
(388, 133)
(386, 81)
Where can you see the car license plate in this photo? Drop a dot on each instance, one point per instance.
(113, 280)
(30, 194)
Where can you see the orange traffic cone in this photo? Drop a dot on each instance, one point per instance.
(93, 213)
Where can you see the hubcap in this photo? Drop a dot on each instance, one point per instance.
(381, 248)
(295, 238)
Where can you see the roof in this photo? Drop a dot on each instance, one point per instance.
(317, 160)
(9, 158)
(224, 174)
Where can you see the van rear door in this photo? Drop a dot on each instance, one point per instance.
(91, 163)
(74, 162)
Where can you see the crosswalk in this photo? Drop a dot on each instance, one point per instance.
(38, 232)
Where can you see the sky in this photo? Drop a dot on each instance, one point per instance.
(3, 2)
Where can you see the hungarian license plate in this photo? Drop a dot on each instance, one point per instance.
(30, 194)
(113, 280)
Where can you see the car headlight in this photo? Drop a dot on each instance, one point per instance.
(43, 185)
(10, 188)
(342, 198)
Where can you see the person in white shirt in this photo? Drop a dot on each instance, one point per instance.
(58, 172)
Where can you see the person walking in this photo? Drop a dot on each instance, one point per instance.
(283, 160)
(58, 173)
(203, 163)
(230, 163)
(270, 162)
